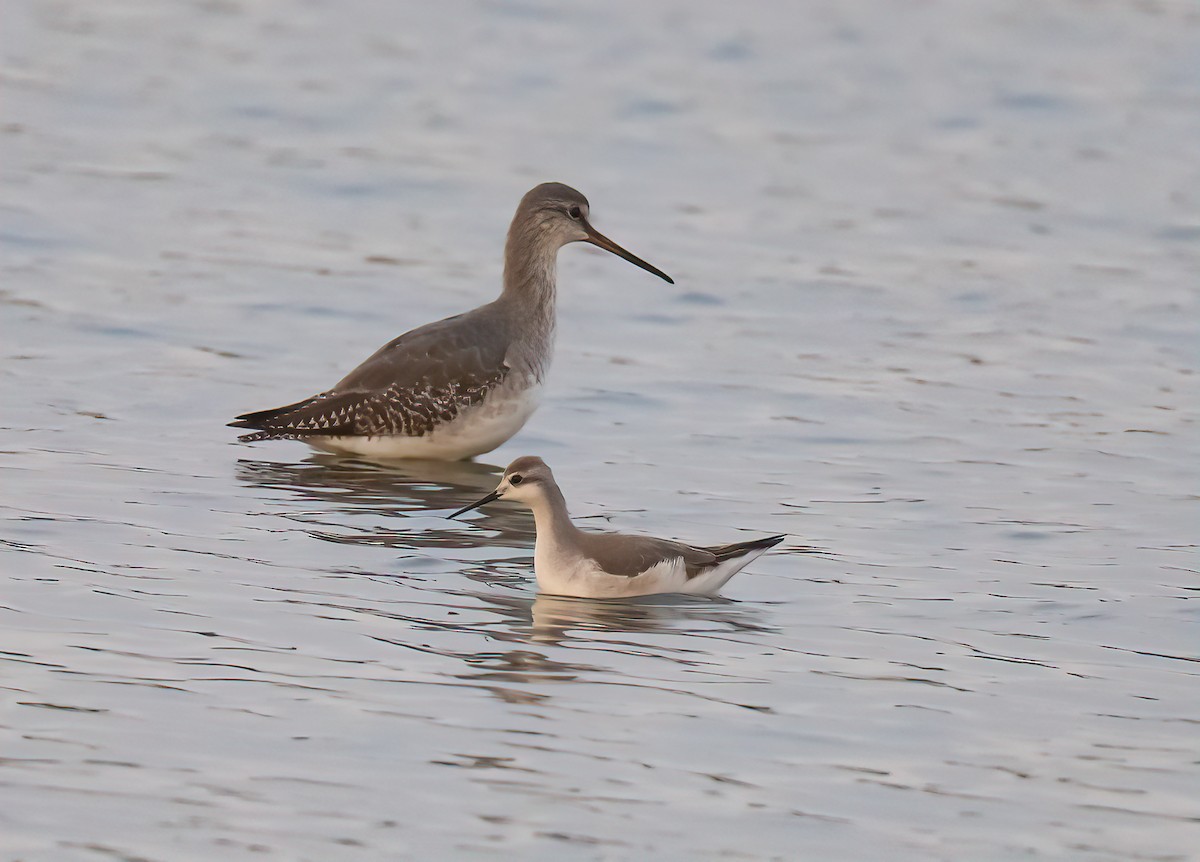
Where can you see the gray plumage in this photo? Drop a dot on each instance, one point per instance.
(569, 561)
(408, 387)
(439, 377)
(629, 556)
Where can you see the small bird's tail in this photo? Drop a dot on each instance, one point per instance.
(731, 559)
(739, 549)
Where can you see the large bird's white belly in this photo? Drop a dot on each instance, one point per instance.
(474, 431)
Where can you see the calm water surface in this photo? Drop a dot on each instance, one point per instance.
(936, 315)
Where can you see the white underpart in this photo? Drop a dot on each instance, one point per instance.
(567, 574)
(474, 431)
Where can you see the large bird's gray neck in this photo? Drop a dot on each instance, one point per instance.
(530, 257)
(530, 269)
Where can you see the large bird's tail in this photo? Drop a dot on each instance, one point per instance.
(330, 414)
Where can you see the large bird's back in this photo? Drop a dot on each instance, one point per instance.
(410, 386)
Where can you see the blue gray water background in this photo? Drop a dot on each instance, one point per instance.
(936, 314)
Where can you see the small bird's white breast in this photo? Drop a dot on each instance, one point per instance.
(565, 574)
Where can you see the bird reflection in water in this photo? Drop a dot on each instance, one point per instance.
(559, 619)
(360, 500)
(567, 621)
(534, 634)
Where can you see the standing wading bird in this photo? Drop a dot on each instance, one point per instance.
(570, 562)
(461, 386)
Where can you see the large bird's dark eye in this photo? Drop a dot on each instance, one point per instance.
(575, 213)
(515, 480)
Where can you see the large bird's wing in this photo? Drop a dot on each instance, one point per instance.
(408, 387)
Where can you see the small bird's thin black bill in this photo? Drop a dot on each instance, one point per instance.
(495, 495)
(598, 239)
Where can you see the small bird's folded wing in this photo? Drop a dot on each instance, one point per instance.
(630, 556)
(408, 387)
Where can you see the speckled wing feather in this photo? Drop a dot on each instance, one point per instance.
(409, 387)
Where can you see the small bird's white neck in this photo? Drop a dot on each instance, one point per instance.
(556, 549)
(550, 516)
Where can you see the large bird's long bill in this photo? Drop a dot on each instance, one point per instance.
(598, 239)
(495, 495)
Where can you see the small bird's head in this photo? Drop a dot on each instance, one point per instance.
(526, 480)
(555, 214)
